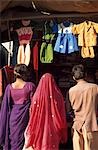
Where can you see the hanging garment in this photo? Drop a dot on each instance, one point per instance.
(9, 47)
(35, 56)
(23, 56)
(8, 76)
(87, 51)
(15, 53)
(87, 37)
(35, 59)
(24, 35)
(54, 26)
(3, 56)
(46, 51)
(66, 42)
(47, 125)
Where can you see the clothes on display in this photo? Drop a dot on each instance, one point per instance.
(9, 47)
(8, 71)
(23, 56)
(15, 53)
(35, 56)
(24, 36)
(66, 41)
(87, 37)
(57, 37)
(46, 51)
(8, 76)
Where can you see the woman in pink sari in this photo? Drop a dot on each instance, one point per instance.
(47, 126)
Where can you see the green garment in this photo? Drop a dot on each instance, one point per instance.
(46, 51)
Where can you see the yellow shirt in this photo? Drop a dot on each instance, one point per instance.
(86, 33)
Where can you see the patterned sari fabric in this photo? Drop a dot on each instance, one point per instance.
(47, 126)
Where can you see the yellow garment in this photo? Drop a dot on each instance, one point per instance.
(87, 52)
(86, 33)
(87, 37)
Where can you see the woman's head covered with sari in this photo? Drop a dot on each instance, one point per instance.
(47, 126)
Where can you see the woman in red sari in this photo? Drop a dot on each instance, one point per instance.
(47, 126)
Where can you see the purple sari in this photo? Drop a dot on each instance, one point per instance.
(13, 121)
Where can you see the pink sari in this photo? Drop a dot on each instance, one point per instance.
(47, 126)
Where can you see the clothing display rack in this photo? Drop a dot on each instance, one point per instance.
(36, 16)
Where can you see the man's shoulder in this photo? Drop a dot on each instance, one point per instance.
(92, 85)
(73, 88)
(87, 86)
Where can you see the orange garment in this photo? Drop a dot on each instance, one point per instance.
(87, 36)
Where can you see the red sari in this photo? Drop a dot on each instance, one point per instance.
(47, 126)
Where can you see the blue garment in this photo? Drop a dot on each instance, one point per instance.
(54, 26)
(66, 42)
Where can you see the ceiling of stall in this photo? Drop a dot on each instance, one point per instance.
(49, 6)
(63, 6)
(39, 9)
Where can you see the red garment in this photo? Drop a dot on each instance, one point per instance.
(47, 126)
(35, 56)
(8, 76)
(24, 34)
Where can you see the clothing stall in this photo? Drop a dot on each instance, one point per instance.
(54, 46)
(50, 42)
